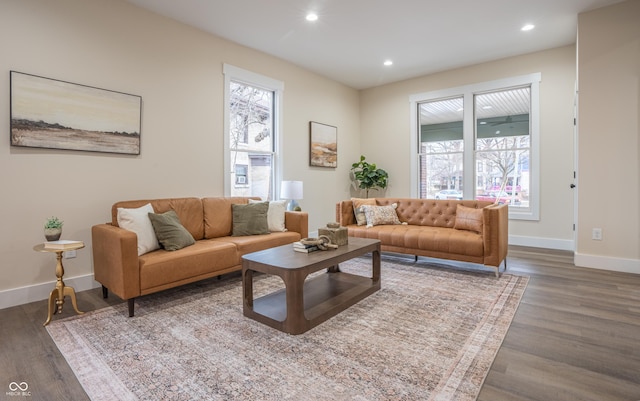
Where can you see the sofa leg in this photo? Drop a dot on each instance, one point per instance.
(505, 264)
(105, 292)
(498, 272)
(416, 259)
(130, 302)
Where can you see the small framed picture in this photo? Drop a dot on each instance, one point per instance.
(323, 145)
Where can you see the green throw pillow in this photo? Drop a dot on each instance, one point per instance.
(250, 219)
(170, 232)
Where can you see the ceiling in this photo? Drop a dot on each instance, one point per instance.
(352, 38)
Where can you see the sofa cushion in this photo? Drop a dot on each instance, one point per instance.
(137, 220)
(361, 220)
(163, 269)
(468, 218)
(434, 241)
(275, 214)
(250, 219)
(170, 232)
(254, 243)
(380, 215)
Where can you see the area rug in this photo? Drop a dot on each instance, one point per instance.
(430, 333)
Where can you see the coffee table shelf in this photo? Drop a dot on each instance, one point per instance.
(305, 303)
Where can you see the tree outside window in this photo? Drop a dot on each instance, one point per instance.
(251, 140)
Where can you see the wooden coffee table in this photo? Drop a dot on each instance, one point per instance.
(304, 304)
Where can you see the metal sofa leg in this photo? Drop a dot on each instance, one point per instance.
(416, 259)
(105, 292)
(130, 303)
(498, 268)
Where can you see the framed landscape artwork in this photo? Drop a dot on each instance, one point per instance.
(323, 145)
(47, 113)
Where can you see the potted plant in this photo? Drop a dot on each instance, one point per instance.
(53, 228)
(369, 176)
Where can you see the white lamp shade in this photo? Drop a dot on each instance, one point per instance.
(291, 190)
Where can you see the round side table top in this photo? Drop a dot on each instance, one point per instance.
(70, 247)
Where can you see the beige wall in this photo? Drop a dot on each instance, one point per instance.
(178, 72)
(609, 131)
(386, 137)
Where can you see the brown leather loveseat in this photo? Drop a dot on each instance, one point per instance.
(462, 230)
(120, 269)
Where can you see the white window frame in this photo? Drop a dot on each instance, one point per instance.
(236, 74)
(468, 92)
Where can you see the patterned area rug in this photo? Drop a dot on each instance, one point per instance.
(430, 333)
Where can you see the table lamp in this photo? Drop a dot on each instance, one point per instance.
(291, 190)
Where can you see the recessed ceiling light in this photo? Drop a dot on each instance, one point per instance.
(528, 27)
(388, 62)
(312, 17)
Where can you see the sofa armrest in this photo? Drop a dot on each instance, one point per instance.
(115, 260)
(344, 213)
(298, 222)
(495, 233)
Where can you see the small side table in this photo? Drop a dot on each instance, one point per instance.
(56, 299)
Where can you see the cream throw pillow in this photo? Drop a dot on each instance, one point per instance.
(468, 218)
(137, 220)
(275, 214)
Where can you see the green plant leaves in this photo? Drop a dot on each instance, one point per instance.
(369, 176)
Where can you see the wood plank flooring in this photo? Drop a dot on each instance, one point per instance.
(575, 336)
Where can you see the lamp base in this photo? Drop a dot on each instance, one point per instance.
(293, 204)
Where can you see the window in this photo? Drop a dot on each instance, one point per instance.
(252, 104)
(479, 142)
(503, 146)
(441, 147)
(241, 174)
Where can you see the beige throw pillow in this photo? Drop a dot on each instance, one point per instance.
(468, 218)
(381, 215)
(361, 220)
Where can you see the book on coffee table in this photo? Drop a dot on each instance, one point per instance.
(62, 244)
(307, 249)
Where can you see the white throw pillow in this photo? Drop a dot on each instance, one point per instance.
(137, 220)
(275, 214)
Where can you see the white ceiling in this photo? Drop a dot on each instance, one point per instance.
(352, 38)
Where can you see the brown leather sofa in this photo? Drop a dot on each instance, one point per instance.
(119, 269)
(429, 229)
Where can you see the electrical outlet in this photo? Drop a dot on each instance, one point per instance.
(69, 254)
(596, 234)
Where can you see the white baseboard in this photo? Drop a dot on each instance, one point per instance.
(39, 292)
(607, 263)
(538, 242)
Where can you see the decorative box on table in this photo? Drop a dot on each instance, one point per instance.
(336, 233)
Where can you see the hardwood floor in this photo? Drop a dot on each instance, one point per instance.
(575, 336)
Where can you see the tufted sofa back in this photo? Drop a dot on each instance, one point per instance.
(420, 212)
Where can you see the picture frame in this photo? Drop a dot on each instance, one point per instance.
(323, 145)
(54, 114)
